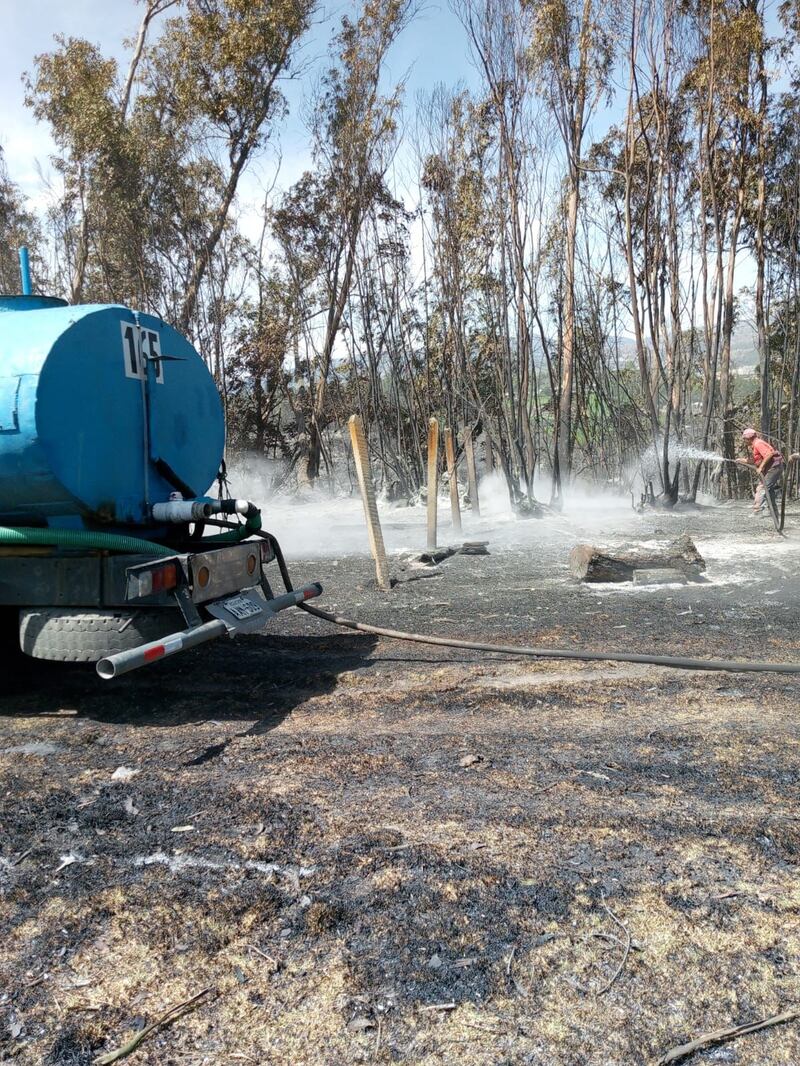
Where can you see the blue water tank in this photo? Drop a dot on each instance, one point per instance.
(103, 412)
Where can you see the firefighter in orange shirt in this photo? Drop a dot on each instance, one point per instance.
(769, 463)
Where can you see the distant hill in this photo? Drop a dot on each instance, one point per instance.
(744, 347)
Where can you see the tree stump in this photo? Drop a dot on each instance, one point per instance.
(589, 563)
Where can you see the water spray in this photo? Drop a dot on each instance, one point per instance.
(682, 452)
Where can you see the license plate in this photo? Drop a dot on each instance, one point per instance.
(240, 607)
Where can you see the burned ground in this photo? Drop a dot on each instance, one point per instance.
(373, 851)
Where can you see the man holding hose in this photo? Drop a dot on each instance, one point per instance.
(768, 461)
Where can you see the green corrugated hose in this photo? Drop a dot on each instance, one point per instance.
(25, 537)
(252, 524)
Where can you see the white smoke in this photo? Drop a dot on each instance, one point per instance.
(319, 524)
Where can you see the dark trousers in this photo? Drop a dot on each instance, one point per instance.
(772, 484)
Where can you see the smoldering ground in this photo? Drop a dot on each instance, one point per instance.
(377, 852)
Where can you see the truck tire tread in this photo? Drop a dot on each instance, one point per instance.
(79, 635)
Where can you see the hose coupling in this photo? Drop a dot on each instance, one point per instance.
(182, 511)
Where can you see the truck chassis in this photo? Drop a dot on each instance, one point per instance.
(102, 608)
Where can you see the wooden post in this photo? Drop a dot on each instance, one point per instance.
(433, 480)
(472, 473)
(450, 455)
(376, 545)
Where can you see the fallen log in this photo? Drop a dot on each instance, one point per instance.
(438, 555)
(435, 556)
(590, 563)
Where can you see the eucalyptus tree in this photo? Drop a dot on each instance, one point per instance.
(722, 88)
(18, 227)
(646, 180)
(462, 227)
(572, 52)
(782, 250)
(258, 377)
(151, 162)
(73, 90)
(354, 131)
(385, 344)
(500, 34)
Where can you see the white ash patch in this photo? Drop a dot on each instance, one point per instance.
(178, 861)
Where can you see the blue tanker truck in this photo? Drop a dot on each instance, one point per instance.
(112, 550)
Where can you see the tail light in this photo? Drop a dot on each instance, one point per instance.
(151, 579)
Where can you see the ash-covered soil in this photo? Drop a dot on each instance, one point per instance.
(371, 851)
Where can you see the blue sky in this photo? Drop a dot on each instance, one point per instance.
(28, 30)
(432, 49)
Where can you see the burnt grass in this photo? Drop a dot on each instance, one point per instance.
(370, 851)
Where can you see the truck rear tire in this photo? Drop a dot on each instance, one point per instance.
(84, 636)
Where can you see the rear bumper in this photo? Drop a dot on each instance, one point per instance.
(218, 591)
(205, 576)
(46, 578)
(230, 617)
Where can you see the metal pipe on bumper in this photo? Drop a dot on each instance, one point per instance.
(296, 596)
(125, 661)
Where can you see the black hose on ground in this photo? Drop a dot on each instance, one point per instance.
(777, 518)
(786, 475)
(675, 662)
